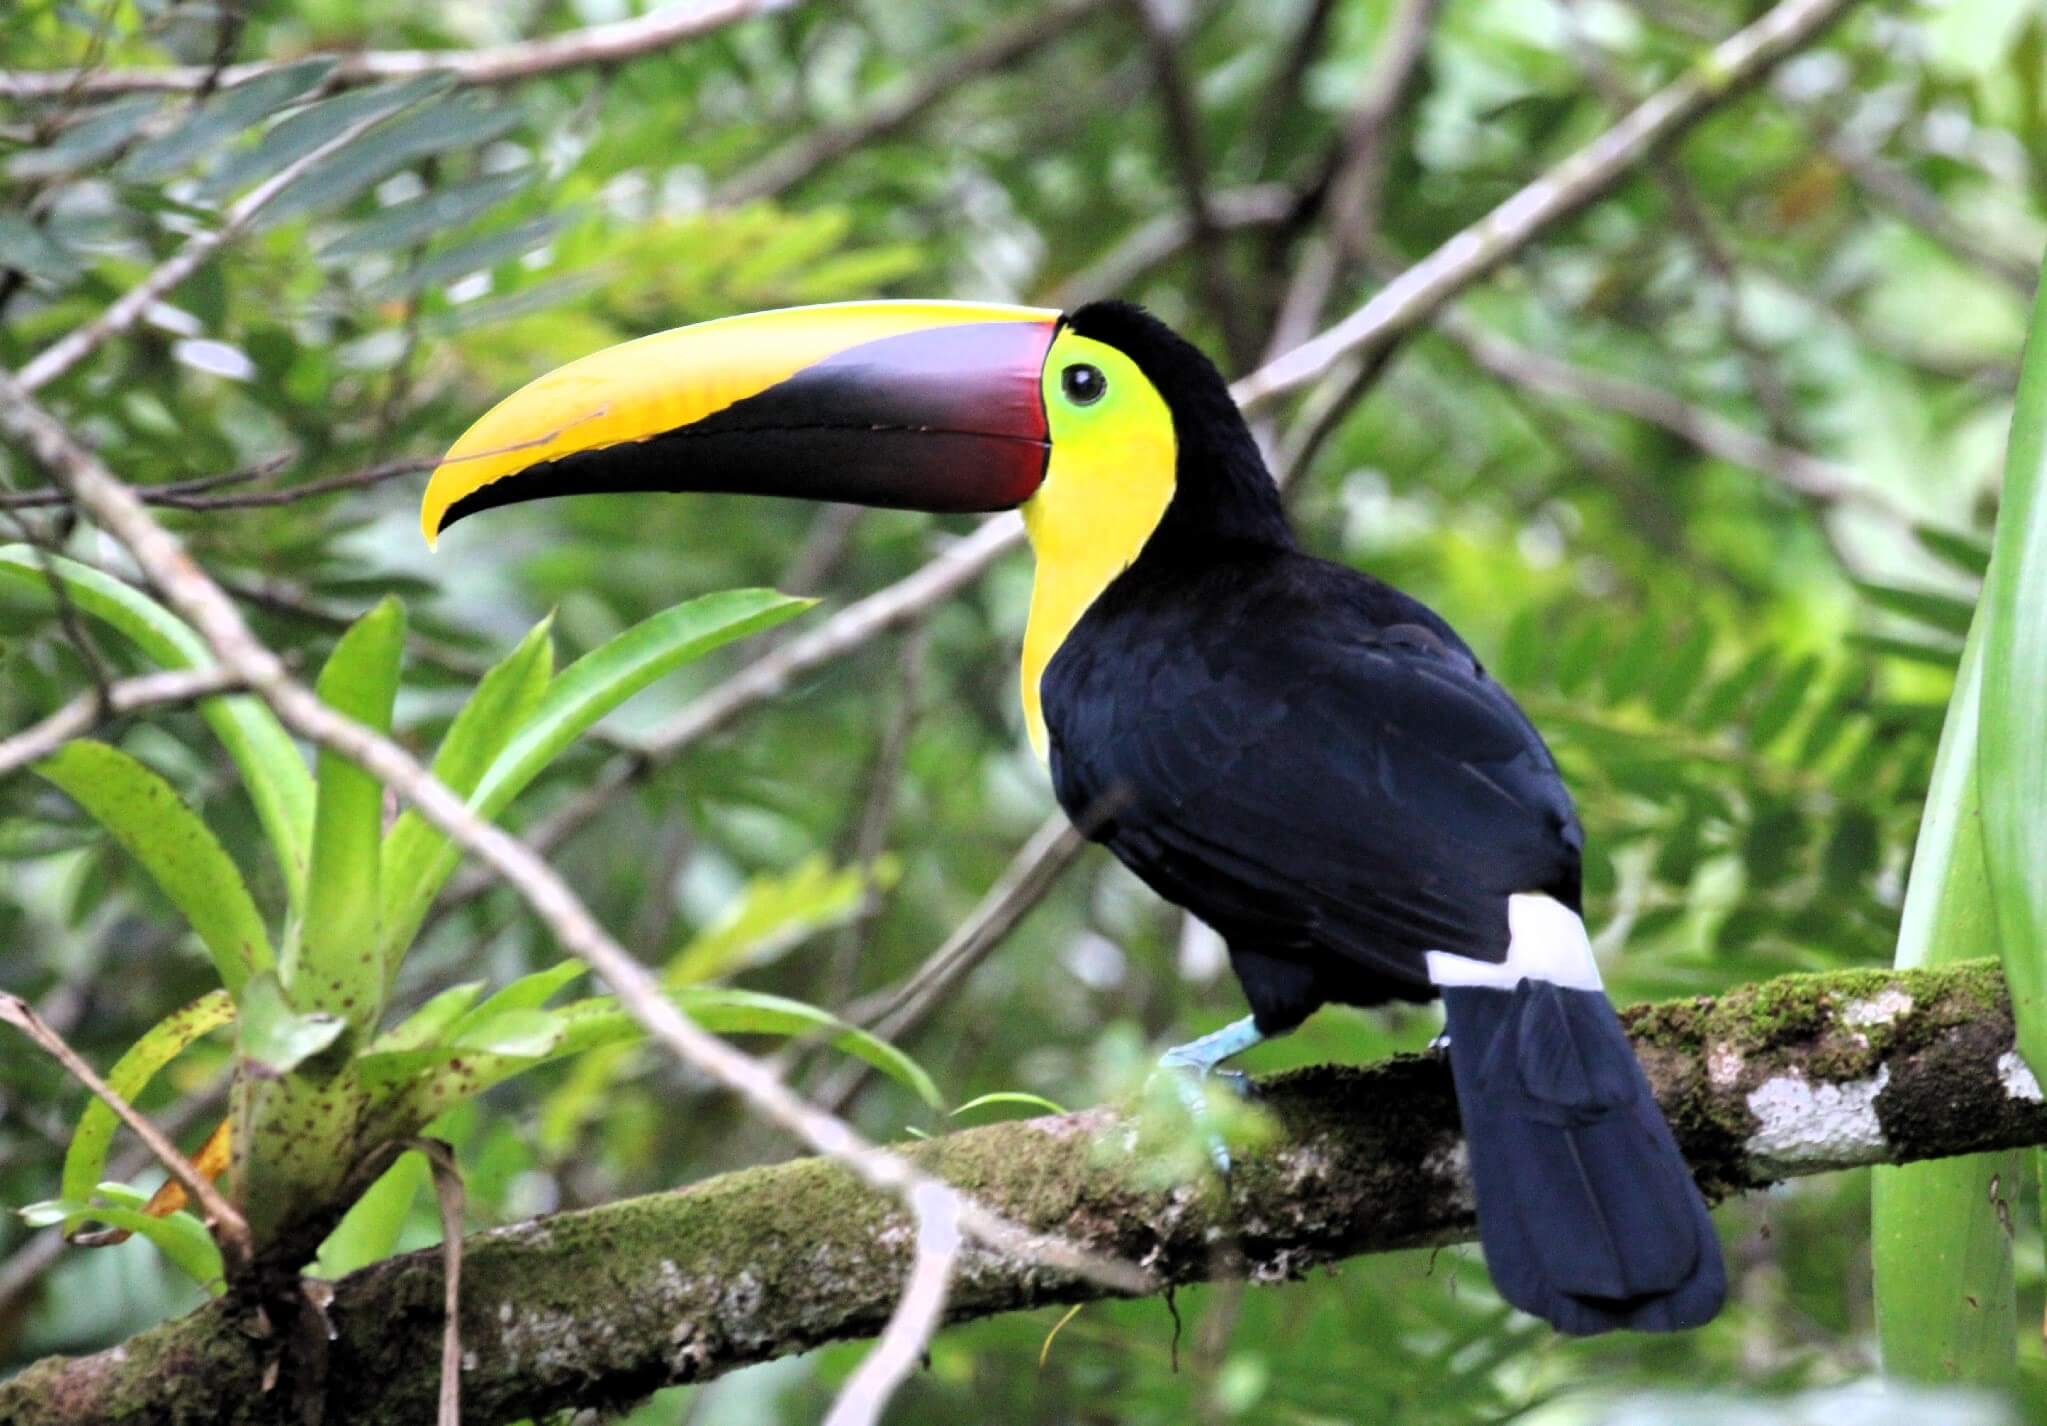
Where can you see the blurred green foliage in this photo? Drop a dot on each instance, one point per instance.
(1744, 687)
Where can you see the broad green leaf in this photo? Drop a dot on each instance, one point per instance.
(1015, 1097)
(771, 915)
(152, 823)
(276, 1038)
(220, 119)
(1941, 1249)
(299, 134)
(272, 771)
(503, 701)
(178, 1236)
(461, 121)
(2012, 752)
(86, 1159)
(582, 693)
(402, 225)
(368, 1232)
(337, 968)
(428, 1024)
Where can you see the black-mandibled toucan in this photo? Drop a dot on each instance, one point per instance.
(1307, 759)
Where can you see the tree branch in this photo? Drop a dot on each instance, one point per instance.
(1561, 193)
(1802, 1075)
(498, 64)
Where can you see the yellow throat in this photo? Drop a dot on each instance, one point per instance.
(1107, 485)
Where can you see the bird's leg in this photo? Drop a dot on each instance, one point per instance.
(1196, 1061)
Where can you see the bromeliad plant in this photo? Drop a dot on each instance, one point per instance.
(322, 1085)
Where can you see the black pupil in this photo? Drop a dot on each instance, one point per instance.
(1083, 384)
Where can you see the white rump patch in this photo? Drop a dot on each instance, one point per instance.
(1545, 941)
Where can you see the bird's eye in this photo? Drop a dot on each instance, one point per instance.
(1084, 385)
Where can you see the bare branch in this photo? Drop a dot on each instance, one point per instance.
(207, 608)
(129, 695)
(1158, 241)
(788, 166)
(500, 64)
(1563, 192)
(608, 1303)
(164, 494)
(916, 1318)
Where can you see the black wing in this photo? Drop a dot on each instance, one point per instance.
(1317, 780)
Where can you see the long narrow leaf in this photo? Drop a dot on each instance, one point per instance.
(582, 693)
(1942, 1249)
(178, 1236)
(86, 1160)
(336, 967)
(501, 705)
(272, 770)
(152, 823)
(2012, 759)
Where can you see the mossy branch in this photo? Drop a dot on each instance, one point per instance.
(1801, 1075)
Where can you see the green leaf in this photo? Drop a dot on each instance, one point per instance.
(336, 967)
(35, 254)
(429, 1024)
(402, 225)
(772, 915)
(1941, 1251)
(275, 1037)
(178, 1236)
(272, 771)
(86, 1159)
(368, 1232)
(86, 143)
(1016, 1097)
(1967, 553)
(316, 124)
(146, 816)
(501, 705)
(465, 121)
(477, 255)
(1924, 606)
(2012, 752)
(219, 119)
(528, 992)
(582, 693)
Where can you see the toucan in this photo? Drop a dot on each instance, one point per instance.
(1307, 759)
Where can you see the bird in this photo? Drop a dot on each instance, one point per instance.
(1307, 759)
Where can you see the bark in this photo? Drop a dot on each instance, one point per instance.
(1802, 1075)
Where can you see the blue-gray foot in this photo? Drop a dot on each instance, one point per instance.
(1195, 1062)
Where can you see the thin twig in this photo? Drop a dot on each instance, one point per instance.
(449, 1194)
(157, 494)
(1561, 193)
(189, 591)
(917, 1316)
(230, 1230)
(1157, 241)
(606, 44)
(128, 695)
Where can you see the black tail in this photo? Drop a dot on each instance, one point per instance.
(1587, 1212)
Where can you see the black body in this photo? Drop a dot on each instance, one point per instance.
(1315, 765)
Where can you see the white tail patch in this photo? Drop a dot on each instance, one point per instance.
(1545, 941)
